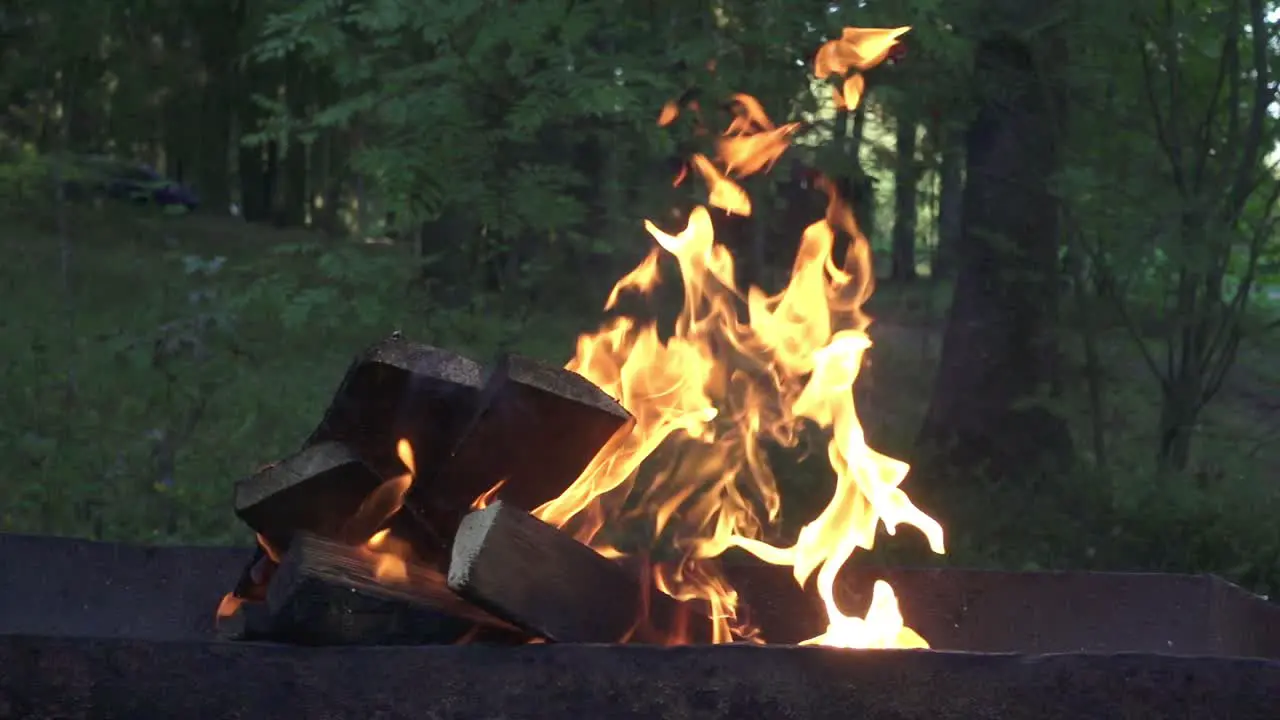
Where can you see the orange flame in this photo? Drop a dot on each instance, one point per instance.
(389, 557)
(389, 553)
(752, 143)
(855, 49)
(670, 111)
(718, 388)
(487, 496)
(405, 452)
(228, 606)
(272, 553)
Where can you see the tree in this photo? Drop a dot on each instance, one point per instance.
(950, 202)
(998, 350)
(906, 178)
(1184, 177)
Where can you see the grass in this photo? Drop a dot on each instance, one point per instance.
(130, 411)
(133, 402)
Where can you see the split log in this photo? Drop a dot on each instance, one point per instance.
(402, 390)
(549, 584)
(536, 427)
(317, 490)
(329, 593)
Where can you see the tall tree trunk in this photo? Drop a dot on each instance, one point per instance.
(950, 206)
(905, 181)
(219, 47)
(78, 114)
(293, 187)
(1179, 412)
(982, 423)
(330, 166)
(292, 211)
(861, 191)
(257, 170)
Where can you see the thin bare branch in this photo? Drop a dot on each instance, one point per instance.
(1247, 164)
(1173, 73)
(1233, 111)
(1101, 267)
(1230, 332)
(1163, 136)
(1217, 375)
(1204, 132)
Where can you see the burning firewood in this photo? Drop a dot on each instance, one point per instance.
(317, 490)
(551, 585)
(329, 593)
(401, 390)
(536, 427)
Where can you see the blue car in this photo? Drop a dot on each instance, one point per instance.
(122, 180)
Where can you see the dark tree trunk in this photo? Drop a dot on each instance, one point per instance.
(983, 428)
(293, 187)
(178, 139)
(253, 181)
(862, 191)
(330, 167)
(219, 48)
(292, 211)
(270, 179)
(905, 176)
(446, 241)
(950, 206)
(328, 173)
(257, 164)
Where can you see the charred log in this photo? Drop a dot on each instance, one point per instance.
(401, 390)
(328, 593)
(553, 586)
(535, 428)
(317, 490)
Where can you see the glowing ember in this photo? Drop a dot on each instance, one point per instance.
(718, 388)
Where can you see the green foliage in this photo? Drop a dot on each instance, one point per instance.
(24, 177)
(454, 102)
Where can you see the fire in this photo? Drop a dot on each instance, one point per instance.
(228, 606)
(389, 553)
(714, 392)
(267, 548)
(487, 496)
(857, 49)
(389, 557)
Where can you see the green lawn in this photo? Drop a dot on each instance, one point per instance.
(132, 402)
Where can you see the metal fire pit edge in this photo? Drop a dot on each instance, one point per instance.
(70, 587)
(100, 630)
(96, 679)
